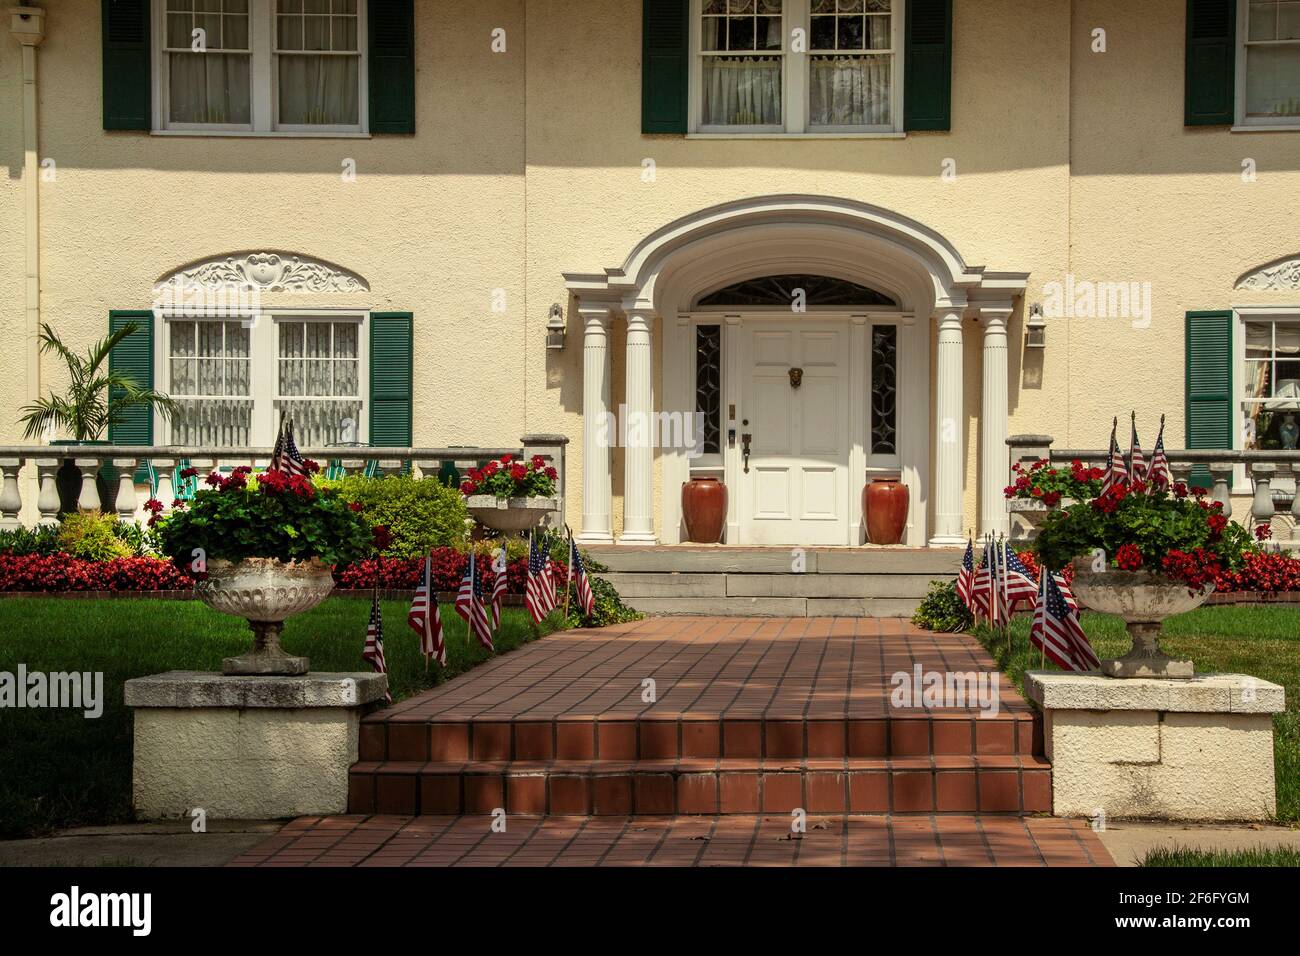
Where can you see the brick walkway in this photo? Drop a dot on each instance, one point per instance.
(681, 841)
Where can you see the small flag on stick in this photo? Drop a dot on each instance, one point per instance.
(374, 649)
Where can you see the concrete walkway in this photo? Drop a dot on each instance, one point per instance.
(1130, 842)
(140, 844)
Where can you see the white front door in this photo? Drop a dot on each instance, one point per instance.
(796, 488)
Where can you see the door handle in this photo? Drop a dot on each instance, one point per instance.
(745, 439)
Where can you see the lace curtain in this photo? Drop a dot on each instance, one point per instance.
(854, 90)
(742, 91)
(319, 90)
(211, 361)
(209, 88)
(319, 381)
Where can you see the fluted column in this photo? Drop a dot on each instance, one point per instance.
(638, 452)
(597, 461)
(949, 462)
(994, 460)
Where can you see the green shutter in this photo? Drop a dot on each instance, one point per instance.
(390, 379)
(392, 66)
(1208, 384)
(927, 65)
(128, 89)
(1209, 87)
(665, 61)
(133, 356)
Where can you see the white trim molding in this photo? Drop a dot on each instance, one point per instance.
(266, 271)
(1280, 275)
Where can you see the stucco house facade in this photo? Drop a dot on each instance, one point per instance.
(630, 222)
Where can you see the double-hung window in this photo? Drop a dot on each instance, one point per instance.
(1270, 393)
(1269, 63)
(796, 66)
(260, 66)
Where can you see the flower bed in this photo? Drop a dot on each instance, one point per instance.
(62, 572)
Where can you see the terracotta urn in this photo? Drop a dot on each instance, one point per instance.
(265, 591)
(1143, 599)
(885, 503)
(704, 507)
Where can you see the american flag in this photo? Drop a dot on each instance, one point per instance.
(374, 649)
(425, 619)
(285, 457)
(1115, 473)
(470, 603)
(1066, 591)
(1017, 581)
(498, 586)
(581, 583)
(966, 576)
(987, 583)
(1137, 463)
(539, 595)
(1056, 630)
(1159, 461)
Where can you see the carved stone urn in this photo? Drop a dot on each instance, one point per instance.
(1143, 599)
(265, 592)
(510, 514)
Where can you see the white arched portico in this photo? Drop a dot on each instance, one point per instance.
(667, 273)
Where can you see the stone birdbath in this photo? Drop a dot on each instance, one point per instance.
(1143, 600)
(265, 592)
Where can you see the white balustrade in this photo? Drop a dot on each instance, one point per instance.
(125, 504)
(1261, 506)
(11, 499)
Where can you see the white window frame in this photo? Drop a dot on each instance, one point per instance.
(796, 87)
(1242, 315)
(1244, 123)
(264, 353)
(263, 83)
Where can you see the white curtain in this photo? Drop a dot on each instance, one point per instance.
(211, 359)
(1273, 80)
(319, 381)
(209, 88)
(318, 90)
(849, 90)
(742, 91)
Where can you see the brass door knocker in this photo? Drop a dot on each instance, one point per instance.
(796, 377)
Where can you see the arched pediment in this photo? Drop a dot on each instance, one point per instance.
(1281, 275)
(267, 271)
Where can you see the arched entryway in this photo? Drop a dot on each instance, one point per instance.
(915, 277)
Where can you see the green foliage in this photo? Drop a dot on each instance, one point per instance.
(419, 514)
(92, 536)
(96, 396)
(141, 539)
(43, 539)
(608, 608)
(942, 609)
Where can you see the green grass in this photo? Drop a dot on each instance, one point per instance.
(1188, 856)
(1261, 641)
(59, 769)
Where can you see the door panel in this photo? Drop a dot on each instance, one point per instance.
(796, 489)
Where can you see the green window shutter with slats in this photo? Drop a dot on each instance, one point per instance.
(391, 26)
(1211, 64)
(1208, 384)
(390, 379)
(128, 88)
(133, 356)
(665, 62)
(927, 65)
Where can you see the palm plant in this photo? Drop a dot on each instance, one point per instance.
(97, 396)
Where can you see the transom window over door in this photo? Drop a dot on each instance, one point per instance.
(796, 66)
(261, 66)
(1270, 54)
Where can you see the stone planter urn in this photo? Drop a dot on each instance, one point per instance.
(1143, 599)
(510, 514)
(1033, 513)
(265, 592)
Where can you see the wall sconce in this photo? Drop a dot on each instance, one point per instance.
(555, 327)
(1036, 328)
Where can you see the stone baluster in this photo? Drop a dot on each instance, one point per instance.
(1294, 469)
(166, 490)
(11, 499)
(125, 503)
(353, 466)
(389, 466)
(47, 500)
(1221, 473)
(1180, 471)
(1261, 508)
(428, 467)
(88, 500)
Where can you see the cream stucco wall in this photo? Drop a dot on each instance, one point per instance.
(528, 164)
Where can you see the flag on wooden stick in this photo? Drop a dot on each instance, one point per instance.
(425, 620)
(539, 591)
(374, 649)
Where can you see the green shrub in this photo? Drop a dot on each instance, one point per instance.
(608, 608)
(92, 536)
(942, 609)
(419, 514)
(141, 539)
(43, 539)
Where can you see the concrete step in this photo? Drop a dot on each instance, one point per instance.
(684, 559)
(691, 585)
(994, 784)
(775, 606)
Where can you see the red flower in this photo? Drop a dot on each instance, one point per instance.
(311, 466)
(539, 462)
(1263, 532)
(213, 479)
(1217, 523)
(1128, 557)
(467, 487)
(1052, 499)
(189, 472)
(552, 473)
(383, 537)
(507, 459)
(518, 472)
(1180, 489)
(354, 506)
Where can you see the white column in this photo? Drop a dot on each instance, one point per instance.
(994, 457)
(638, 451)
(949, 461)
(597, 461)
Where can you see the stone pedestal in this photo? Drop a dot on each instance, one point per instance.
(1199, 749)
(246, 747)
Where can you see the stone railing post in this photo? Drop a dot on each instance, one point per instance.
(125, 503)
(1221, 473)
(1027, 449)
(88, 500)
(1181, 471)
(552, 448)
(1261, 507)
(166, 490)
(47, 500)
(11, 499)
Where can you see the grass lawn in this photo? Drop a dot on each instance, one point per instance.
(1261, 641)
(1186, 856)
(59, 769)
